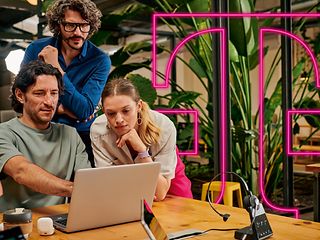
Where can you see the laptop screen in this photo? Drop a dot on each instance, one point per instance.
(151, 224)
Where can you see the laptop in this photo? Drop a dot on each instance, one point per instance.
(155, 231)
(108, 196)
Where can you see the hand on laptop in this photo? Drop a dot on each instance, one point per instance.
(155, 198)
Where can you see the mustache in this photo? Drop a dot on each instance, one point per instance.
(73, 37)
(48, 108)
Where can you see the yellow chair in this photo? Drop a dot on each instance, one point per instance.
(230, 187)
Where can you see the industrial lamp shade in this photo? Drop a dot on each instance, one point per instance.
(33, 2)
(13, 60)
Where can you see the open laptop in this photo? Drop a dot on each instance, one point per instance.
(154, 230)
(109, 195)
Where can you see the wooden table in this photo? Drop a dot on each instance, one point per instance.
(177, 214)
(315, 168)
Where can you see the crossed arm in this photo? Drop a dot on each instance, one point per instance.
(76, 103)
(34, 177)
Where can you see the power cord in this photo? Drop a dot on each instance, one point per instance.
(226, 215)
(203, 232)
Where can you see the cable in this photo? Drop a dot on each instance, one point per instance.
(202, 232)
(225, 216)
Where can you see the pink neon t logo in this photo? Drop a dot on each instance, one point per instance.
(223, 86)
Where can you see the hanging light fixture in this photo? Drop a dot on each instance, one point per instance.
(33, 2)
(13, 60)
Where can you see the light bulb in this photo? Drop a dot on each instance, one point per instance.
(33, 2)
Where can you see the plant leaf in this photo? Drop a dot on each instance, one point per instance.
(123, 70)
(243, 31)
(197, 67)
(233, 53)
(185, 97)
(145, 88)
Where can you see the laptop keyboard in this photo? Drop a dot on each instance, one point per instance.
(61, 219)
(62, 222)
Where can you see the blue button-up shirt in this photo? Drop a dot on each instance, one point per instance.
(84, 80)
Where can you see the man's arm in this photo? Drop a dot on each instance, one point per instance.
(34, 177)
(82, 104)
(62, 110)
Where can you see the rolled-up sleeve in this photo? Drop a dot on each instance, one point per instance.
(165, 151)
(102, 158)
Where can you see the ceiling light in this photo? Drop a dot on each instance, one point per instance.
(33, 2)
(13, 60)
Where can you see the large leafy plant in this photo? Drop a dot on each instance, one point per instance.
(243, 55)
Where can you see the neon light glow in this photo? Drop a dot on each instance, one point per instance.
(223, 98)
(155, 17)
(237, 15)
(290, 152)
(295, 211)
(223, 118)
(195, 130)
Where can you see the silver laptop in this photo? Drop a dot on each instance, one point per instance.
(155, 231)
(109, 195)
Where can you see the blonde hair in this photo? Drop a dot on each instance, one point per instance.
(148, 130)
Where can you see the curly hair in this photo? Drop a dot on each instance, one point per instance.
(87, 9)
(28, 75)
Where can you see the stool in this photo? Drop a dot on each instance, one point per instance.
(230, 187)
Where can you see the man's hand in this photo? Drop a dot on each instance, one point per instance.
(49, 54)
(1, 190)
(62, 110)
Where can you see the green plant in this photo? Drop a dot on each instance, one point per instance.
(243, 58)
(243, 55)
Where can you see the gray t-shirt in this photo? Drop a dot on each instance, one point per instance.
(58, 149)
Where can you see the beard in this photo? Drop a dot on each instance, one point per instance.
(67, 41)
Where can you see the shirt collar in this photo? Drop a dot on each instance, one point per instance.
(84, 48)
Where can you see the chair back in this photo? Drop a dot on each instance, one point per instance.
(6, 115)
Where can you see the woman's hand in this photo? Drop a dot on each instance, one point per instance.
(133, 139)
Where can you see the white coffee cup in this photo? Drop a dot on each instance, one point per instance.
(45, 226)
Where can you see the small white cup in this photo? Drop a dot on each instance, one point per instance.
(45, 226)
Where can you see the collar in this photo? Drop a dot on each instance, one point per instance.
(57, 44)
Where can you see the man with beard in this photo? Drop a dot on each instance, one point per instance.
(37, 158)
(84, 67)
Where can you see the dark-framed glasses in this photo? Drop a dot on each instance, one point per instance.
(71, 27)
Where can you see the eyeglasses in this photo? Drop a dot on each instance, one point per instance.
(71, 27)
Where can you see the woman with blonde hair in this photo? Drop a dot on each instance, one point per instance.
(130, 132)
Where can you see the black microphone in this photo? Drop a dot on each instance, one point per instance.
(225, 216)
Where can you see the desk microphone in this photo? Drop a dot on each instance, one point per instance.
(226, 216)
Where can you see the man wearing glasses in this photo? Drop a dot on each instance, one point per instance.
(84, 67)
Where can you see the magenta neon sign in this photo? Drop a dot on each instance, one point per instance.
(223, 118)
